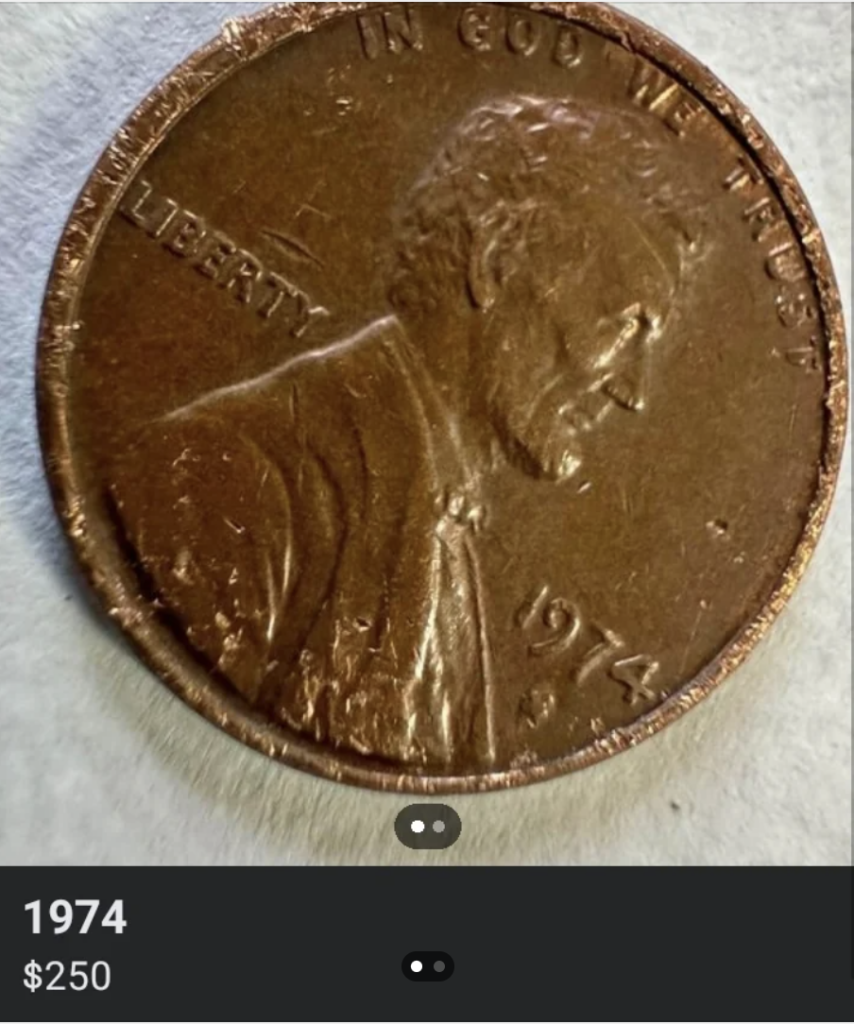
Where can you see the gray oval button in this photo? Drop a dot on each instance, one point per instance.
(428, 827)
(429, 967)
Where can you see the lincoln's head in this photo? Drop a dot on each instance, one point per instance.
(539, 261)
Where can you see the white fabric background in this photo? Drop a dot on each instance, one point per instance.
(99, 764)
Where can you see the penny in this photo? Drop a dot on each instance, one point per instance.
(443, 397)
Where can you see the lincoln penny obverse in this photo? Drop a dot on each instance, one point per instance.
(443, 397)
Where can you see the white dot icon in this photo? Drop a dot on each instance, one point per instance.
(417, 967)
(418, 827)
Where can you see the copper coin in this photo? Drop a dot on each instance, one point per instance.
(443, 397)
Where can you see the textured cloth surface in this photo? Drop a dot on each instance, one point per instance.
(99, 764)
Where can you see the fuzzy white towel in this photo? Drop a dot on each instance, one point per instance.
(100, 765)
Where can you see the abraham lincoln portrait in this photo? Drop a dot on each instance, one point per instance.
(326, 522)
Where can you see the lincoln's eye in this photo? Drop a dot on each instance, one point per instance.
(637, 325)
(641, 325)
(638, 317)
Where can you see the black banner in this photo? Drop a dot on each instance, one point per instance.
(459, 944)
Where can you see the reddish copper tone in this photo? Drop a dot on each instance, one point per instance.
(443, 397)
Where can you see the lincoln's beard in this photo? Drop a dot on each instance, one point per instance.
(536, 437)
(528, 403)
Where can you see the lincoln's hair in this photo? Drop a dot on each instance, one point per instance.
(514, 170)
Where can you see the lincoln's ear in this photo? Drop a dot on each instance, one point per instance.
(484, 279)
(492, 256)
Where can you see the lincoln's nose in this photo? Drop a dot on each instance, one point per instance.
(626, 385)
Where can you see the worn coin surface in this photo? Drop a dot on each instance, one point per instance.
(443, 397)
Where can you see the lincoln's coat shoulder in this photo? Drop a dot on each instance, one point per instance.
(225, 500)
(330, 388)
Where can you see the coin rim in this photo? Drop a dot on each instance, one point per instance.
(240, 42)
